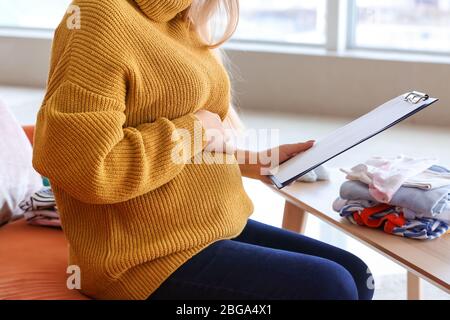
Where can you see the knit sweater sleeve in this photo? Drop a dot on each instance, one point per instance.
(82, 146)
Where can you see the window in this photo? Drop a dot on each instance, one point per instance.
(291, 21)
(42, 14)
(397, 25)
(417, 25)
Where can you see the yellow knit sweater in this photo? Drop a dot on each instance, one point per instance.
(118, 89)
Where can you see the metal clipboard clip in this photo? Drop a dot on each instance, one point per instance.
(416, 97)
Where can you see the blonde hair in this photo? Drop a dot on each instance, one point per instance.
(207, 15)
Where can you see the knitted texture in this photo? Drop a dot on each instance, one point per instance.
(119, 88)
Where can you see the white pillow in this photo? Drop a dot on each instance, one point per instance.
(18, 179)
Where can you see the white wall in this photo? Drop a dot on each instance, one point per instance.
(24, 61)
(334, 85)
(313, 83)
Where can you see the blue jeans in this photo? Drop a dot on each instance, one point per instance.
(268, 263)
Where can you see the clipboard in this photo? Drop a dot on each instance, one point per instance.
(353, 134)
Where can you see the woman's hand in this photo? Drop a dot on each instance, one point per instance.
(210, 121)
(260, 170)
(253, 165)
(216, 134)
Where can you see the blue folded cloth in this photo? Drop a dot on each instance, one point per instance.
(428, 203)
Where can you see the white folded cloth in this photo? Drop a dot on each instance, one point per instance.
(428, 180)
(319, 174)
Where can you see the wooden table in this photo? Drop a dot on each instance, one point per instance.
(429, 260)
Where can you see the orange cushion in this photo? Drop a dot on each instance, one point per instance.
(29, 131)
(33, 263)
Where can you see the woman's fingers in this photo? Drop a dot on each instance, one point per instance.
(294, 149)
(288, 151)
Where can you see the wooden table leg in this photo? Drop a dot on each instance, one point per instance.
(413, 287)
(294, 218)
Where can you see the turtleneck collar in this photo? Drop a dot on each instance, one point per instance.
(163, 10)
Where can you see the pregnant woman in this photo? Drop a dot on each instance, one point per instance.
(125, 85)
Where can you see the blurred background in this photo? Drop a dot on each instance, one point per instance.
(399, 24)
(304, 67)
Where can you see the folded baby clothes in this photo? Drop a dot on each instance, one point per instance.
(40, 209)
(385, 176)
(430, 203)
(392, 220)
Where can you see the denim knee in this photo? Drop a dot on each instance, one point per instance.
(365, 282)
(333, 282)
(362, 276)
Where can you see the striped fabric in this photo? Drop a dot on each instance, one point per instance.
(422, 229)
(392, 220)
(40, 209)
(41, 200)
